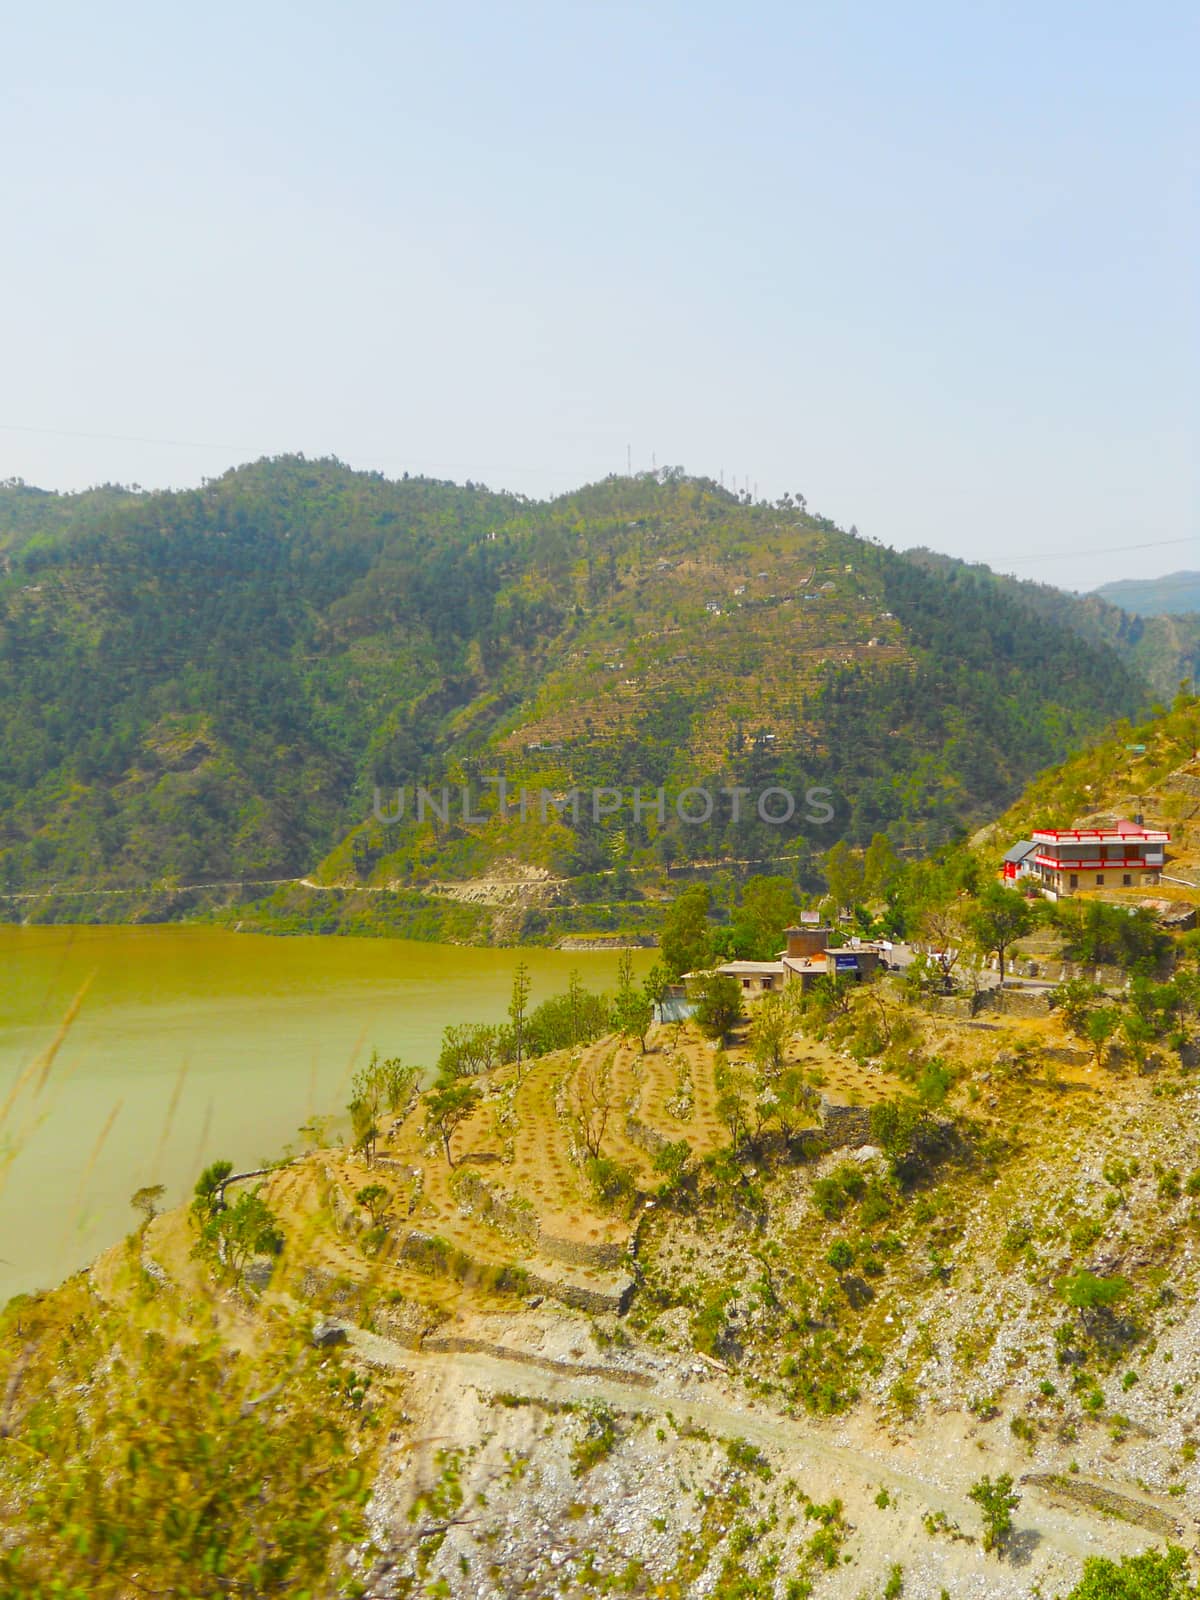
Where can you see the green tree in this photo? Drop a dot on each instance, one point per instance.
(770, 1030)
(364, 1125)
(1075, 1000)
(1098, 933)
(731, 1109)
(793, 1102)
(656, 983)
(209, 1194)
(1137, 1031)
(368, 1093)
(844, 875)
(1093, 1297)
(374, 1199)
(446, 1108)
(768, 907)
(1101, 1026)
(670, 1162)
(238, 1233)
(905, 1131)
(518, 1007)
(881, 866)
(633, 1010)
(943, 926)
(399, 1082)
(468, 1048)
(686, 938)
(718, 999)
(146, 1201)
(577, 1005)
(997, 1501)
(999, 916)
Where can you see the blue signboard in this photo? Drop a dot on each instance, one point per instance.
(844, 963)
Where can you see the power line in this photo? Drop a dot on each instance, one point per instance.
(1107, 550)
(256, 450)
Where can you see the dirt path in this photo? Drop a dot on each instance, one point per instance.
(812, 1457)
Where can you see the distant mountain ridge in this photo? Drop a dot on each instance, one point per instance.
(1174, 594)
(210, 685)
(1163, 650)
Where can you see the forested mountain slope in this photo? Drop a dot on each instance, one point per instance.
(211, 684)
(1163, 649)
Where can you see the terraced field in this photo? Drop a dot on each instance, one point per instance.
(518, 1192)
(516, 1212)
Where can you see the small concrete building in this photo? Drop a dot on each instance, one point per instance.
(857, 960)
(810, 939)
(755, 977)
(1018, 862)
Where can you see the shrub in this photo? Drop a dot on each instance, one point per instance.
(840, 1255)
(1090, 1294)
(599, 1440)
(669, 1162)
(743, 1454)
(904, 1396)
(613, 1183)
(718, 1004)
(833, 1194)
(1154, 1575)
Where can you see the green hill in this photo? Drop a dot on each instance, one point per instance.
(210, 685)
(1163, 650)
(1148, 770)
(1173, 595)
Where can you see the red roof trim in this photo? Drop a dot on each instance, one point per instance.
(1124, 833)
(1096, 863)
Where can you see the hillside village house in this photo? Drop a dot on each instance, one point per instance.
(808, 957)
(1062, 861)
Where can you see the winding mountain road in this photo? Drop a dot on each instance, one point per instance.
(812, 1456)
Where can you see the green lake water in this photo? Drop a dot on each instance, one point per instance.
(194, 1043)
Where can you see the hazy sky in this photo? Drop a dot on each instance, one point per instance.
(936, 266)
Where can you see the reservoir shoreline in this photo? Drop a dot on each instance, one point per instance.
(191, 1043)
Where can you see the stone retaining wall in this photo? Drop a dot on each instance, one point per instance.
(844, 1127)
(390, 1164)
(523, 1223)
(346, 1215)
(1016, 1002)
(406, 1321)
(960, 1006)
(459, 1345)
(440, 1259)
(1077, 1492)
(646, 1138)
(328, 1288)
(582, 1253)
(497, 1209)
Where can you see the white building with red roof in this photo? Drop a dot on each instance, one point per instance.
(1126, 855)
